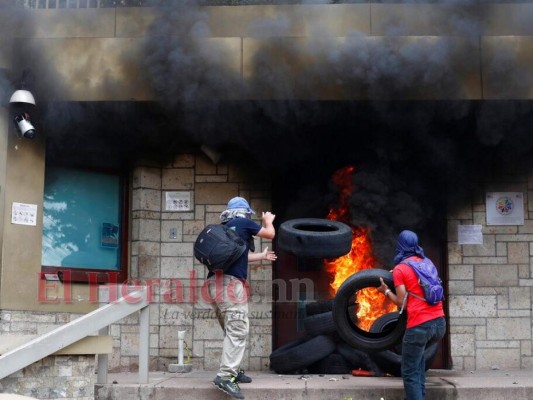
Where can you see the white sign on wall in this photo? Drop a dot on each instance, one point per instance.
(178, 201)
(24, 214)
(505, 208)
(469, 234)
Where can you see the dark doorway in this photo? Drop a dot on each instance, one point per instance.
(298, 281)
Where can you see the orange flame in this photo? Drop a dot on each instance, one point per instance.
(371, 303)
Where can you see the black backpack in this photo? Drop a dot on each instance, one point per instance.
(218, 247)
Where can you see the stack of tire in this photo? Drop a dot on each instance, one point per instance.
(333, 343)
(321, 350)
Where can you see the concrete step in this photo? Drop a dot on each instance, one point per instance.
(441, 385)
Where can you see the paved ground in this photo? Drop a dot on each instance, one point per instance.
(441, 385)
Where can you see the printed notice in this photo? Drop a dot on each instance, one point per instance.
(109, 236)
(469, 234)
(178, 201)
(24, 214)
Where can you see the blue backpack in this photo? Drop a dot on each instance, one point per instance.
(428, 277)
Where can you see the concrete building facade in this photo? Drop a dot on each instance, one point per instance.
(98, 55)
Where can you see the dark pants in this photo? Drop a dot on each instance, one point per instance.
(415, 341)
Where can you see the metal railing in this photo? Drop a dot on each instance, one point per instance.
(99, 320)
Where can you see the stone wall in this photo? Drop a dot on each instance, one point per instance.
(65, 377)
(54, 377)
(162, 255)
(490, 287)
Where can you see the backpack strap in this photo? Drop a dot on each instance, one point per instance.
(407, 293)
(411, 293)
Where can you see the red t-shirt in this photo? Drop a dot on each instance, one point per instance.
(418, 311)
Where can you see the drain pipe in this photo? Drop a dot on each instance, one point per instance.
(180, 366)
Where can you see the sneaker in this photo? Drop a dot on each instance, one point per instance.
(242, 378)
(228, 386)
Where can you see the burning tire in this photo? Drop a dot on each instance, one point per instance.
(334, 363)
(315, 238)
(390, 361)
(318, 307)
(299, 354)
(358, 359)
(343, 313)
(319, 324)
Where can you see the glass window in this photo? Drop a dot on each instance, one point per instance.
(83, 224)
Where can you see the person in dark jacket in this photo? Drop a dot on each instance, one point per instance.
(230, 303)
(425, 323)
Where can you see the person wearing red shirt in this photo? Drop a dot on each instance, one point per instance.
(425, 323)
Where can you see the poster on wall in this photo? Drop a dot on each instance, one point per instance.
(109, 235)
(24, 214)
(505, 208)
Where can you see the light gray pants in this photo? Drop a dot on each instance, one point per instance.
(231, 307)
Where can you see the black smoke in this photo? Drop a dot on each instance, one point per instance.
(413, 157)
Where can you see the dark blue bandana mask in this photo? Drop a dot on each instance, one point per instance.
(407, 246)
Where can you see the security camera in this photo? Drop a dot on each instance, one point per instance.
(24, 126)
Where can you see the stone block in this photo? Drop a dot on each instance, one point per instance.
(497, 358)
(491, 344)
(461, 272)
(508, 328)
(520, 298)
(183, 160)
(518, 253)
(148, 266)
(215, 193)
(204, 166)
(523, 271)
(172, 231)
(525, 348)
(502, 230)
(150, 230)
(260, 345)
(207, 329)
(462, 345)
(176, 267)
(179, 368)
(528, 223)
(452, 328)
(129, 344)
(176, 249)
(472, 306)
(481, 332)
(193, 227)
(488, 248)
(211, 178)
(460, 287)
(176, 315)
(212, 359)
(169, 337)
(146, 177)
(479, 217)
(495, 275)
(148, 248)
(177, 179)
(146, 199)
(455, 254)
(501, 249)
